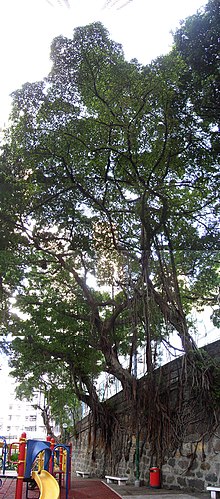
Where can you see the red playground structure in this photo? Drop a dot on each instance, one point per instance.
(42, 464)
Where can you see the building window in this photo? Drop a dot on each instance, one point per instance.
(32, 418)
(30, 428)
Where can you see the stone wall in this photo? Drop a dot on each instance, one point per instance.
(205, 469)
(195, 466)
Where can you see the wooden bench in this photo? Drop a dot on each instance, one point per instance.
(214, 491)
(84, 474)
(118, 479)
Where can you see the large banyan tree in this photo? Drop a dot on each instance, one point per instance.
(109, 217)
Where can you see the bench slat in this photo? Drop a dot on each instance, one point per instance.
(118, 479)
(82, 473)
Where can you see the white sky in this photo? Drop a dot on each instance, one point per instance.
(27, 28)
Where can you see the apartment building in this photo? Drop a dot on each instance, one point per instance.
(18, 416)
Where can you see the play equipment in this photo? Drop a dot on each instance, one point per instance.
(8, 455)
(41, 462)
(8, 460)
(47, 485)
(4, 454)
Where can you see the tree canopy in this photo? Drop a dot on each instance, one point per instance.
(110, 217)
(197, 41)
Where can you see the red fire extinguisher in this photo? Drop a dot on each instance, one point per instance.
(155, 477)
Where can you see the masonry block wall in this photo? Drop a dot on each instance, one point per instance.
(195, 466)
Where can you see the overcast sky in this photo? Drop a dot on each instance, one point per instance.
(27, 28)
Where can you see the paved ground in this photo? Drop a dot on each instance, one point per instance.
(89, 489)
(132, 492)
(165, 496)
(7, 491)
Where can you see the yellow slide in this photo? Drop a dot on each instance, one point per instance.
(49, 488)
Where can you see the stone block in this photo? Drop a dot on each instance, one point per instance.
(183, 464)
(211, 478)
(205, 466)
(182, 482)
(199, 474)
(172, 462)
(217, 468)
(216, 445)
(170, 479)
(196, 484)
(167, 469)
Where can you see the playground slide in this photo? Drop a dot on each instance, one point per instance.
(49, 488)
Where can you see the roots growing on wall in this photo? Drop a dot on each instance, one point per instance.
(168, 407)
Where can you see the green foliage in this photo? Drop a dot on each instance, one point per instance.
(52, 382)
(198, 43)
(14, 457)
(115, 177)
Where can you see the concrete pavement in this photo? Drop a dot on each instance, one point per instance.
(165, 496)
(144, 492)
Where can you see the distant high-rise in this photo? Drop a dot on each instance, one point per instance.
(17, 416)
